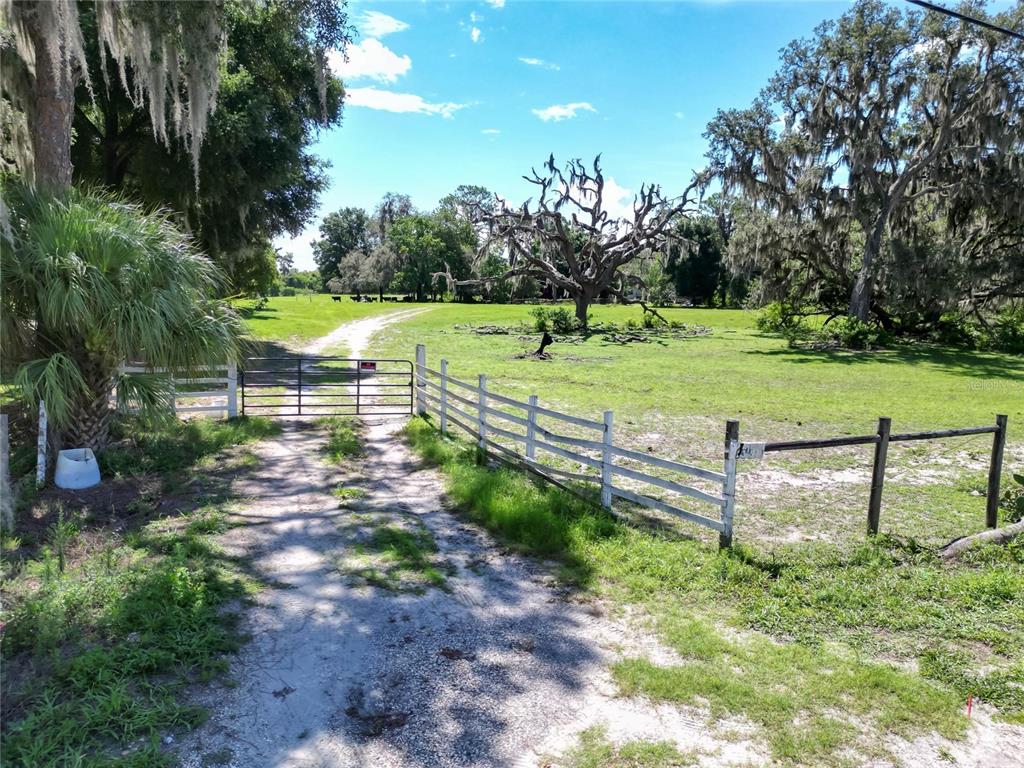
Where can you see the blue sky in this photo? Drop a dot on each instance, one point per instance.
(442, 94)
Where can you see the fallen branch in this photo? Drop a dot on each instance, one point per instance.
(991, 536)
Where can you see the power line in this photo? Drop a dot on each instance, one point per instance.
(968, 19)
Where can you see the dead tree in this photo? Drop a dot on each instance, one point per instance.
(569, 238)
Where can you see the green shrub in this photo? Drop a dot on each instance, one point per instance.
(1012, 503)
(783, 319)
(1006, 334)
(555, 320)
(287, 291)
(851, 333)
(541, 321)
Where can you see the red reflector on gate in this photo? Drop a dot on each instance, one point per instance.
(367, 365)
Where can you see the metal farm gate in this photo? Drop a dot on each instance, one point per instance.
(326, 386)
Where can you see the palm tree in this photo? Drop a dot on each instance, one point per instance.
(90, 281)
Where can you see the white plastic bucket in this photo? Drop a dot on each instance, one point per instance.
(76, 468)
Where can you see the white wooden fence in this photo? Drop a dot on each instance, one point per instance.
(500, 425)
(212, 393)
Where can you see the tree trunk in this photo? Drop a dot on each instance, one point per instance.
(90, 420)
(864, 286)
(52, 108)
(583, 301)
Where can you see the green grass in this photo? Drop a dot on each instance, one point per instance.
(140, 449)
(672, 397)
(98, 652)
(294, 319)
(343, 441)
(596, 751)
(735, 371)
(395, 553)
(801, 633)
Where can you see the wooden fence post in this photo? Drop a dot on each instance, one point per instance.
(444, 397)
(531, 429)
(606, 462)
(732, 446)
(6, 492)
(421, 363)
(232, 389)
(41, 447)
(878, 474)
(995, 470)
(481, 405)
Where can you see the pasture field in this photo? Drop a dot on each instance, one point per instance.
(672, 397)
(291, 320)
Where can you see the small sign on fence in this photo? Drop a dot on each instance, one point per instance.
(367, 365)
(751, 451)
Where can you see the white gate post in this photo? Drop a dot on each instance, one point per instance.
(41, 447)
(232, 389)
(531, 429)
(732, 448)
(421, 385)
(480, 407)
(444, 397)
(606, 463)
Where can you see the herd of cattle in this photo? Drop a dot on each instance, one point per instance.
(359, 297)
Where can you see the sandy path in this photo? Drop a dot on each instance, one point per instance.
(495, 670)
(356, 335)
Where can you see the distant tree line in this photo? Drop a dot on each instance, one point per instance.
(878, 178)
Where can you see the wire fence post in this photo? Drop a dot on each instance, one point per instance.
(41, 447)
(531, 429)
(481, 408)
(6, 492)
(878, 474)
(732, 447)
(421, 384)
(444, 397)
(232, 389)
(995, 471)
(606, 462)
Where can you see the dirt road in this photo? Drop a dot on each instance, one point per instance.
(493, 669)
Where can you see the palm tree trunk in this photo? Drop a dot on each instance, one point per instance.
(90, 424)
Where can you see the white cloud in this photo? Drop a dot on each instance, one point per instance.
(617, 200)
(538, 63)
(560, 112)
(475, 18)
(490, 131)
(679, 115)
(475, 34)
(391, 101)
(372, 59)
(496, 3)
(377, 24)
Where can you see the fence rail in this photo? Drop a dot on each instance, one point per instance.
(881, 440)
(593, 456)
(183, 398)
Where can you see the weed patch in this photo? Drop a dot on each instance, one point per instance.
(594, 750)
(343, 440)
(139, 449)
(393, 552)
(105, 627)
